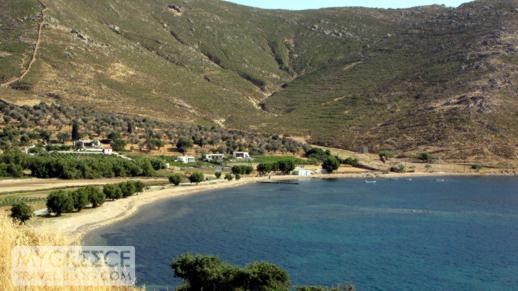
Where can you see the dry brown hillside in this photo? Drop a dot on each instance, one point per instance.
(427, 78)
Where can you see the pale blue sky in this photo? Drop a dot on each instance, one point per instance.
(313, 4)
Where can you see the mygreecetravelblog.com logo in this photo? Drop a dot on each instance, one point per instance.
(73, 266)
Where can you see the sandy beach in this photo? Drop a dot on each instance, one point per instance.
(76, 225)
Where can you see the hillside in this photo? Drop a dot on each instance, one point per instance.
(433, 78)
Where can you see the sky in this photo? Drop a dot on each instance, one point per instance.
(314, 4)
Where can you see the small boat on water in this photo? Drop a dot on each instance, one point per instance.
(440, 180)
(370, 181)
(410, 179)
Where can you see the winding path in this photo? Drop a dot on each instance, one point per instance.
(35, 51)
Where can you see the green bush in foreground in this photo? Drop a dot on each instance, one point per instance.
(229, 177)
(218, 175)
(21, 212)
(175, 179)
(201, 272)
(210, 273)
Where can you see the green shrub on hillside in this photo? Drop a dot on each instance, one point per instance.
(286, 166)
(400, 168)
(318, 154)
(118, 145)
(426, 157)
(196, 177)
(21, 212)
(11, 170)
(242, 170)
(184, 143)
(385, 155)
(21, 86)
(476, 167)
(175, 179)
(331, 164)
(354, 162)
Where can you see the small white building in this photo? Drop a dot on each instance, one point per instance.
(107, 151)
(186, 159)
(242, 156)
(301, 172)
(214, 157)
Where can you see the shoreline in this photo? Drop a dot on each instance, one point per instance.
(76, 225)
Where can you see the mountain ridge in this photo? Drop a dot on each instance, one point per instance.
(406, 79)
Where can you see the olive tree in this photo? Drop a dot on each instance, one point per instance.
(175, 179)
(112, 192)
(21, 212)
(59, 202)
(331, 164)
(196, 177)
(81, 199)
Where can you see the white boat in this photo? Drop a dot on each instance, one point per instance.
(370, 181)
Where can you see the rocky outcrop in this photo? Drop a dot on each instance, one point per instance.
(175, 9)
(479, 104)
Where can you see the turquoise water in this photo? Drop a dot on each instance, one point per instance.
(460, 234)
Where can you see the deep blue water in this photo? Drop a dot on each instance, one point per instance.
(460, 234)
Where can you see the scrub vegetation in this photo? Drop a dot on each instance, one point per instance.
(406, 80)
